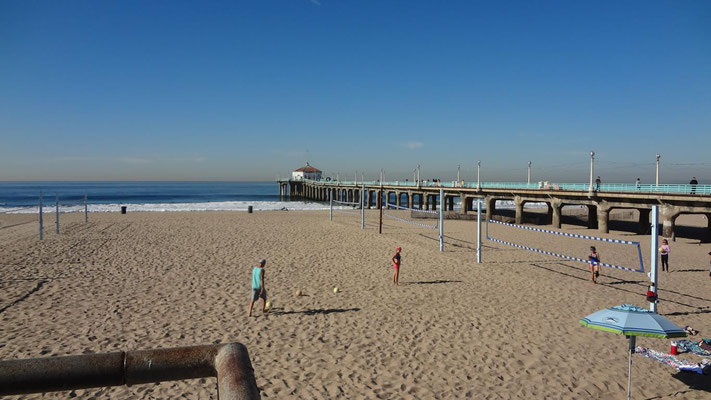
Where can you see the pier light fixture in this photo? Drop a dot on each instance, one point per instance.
(459, 170)
(478, 175)
(657, 180)
(529, 172)
(592, 169)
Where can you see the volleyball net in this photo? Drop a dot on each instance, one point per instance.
(413, 212)
(346, 207)
(558, 247)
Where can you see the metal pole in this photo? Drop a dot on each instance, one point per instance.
(418, 176)
(478, 176)
(478, 231)
(459, 169)
(654, 266)
(362, 206)
(228, 362)
(380, 200)
(86, 209)
(592, 168)
(657, 180)
(41, 228)
(57, 213)
(633, 342)
(330, 213)
(441, 219)
(529, 172)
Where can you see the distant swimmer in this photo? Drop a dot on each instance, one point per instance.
(594, 260)
(396, 266)
(258, 289)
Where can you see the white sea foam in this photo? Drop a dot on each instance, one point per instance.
(160, 207)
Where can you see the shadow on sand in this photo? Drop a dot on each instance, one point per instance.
(314, 311)
(429, 282)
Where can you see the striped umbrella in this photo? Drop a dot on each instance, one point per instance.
(632, 321)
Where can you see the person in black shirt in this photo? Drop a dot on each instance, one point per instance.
(693, 184)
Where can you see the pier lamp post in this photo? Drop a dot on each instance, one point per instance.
(418, 175)
(592, 168)
(529, 172)
(478, 175)
(657, 180)
(459, 169)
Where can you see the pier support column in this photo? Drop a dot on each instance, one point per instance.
(592, 217)
(434, 202)
(557, 207)
(451, 203)
(420, 200)
(668, 216)
(427, 201)
(518, 203)
(490, 207)
(410, 198)
(643, 221)
(603, 218)
(465, 203)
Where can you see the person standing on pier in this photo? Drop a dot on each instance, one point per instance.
(638, 184)
(665, 250)
(693, 184)
(597, 184)
(396, 266)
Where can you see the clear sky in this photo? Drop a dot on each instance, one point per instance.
(248, 90)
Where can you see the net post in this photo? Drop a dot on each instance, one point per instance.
(41, 233)
(478, 231)
(86, 209)
(330, 213)
(362, 206)
(654, 245)
(380, 200)
(56, 204)
(441, 219)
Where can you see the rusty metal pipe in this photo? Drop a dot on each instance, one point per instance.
(228, 362)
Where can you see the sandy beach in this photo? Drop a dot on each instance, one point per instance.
(504, 329)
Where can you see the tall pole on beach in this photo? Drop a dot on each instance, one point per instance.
(86, 209)
(56, 204)
(418, 175)
(478, 231)
(478, 175)
(40, 217)
(655, 243)
(362, 205)
(657, 180)
(330, 213)
(592, 168)
(441, 219)
(380, 201)
(529, 172)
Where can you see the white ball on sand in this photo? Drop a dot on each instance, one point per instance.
(269, 305)
(298, 293)
(335, 290)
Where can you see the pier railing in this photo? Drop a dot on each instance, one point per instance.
(580, 187)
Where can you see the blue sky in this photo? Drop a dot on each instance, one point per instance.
(173, 90)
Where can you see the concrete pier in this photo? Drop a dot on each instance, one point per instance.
(599, 204)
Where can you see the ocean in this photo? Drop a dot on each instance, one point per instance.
(23, 197)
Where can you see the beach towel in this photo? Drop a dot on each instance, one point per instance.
(693, 346)
(703, 367)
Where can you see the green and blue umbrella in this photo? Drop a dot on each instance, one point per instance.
(632, 321)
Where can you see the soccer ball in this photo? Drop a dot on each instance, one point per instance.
(269, 305)
(335, 290)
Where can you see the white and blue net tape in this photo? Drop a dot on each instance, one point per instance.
(409, 221)
(550, 253)
(346, 204)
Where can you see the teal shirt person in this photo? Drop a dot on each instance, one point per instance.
(257, 278)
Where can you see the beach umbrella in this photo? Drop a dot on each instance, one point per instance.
(632, 321)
